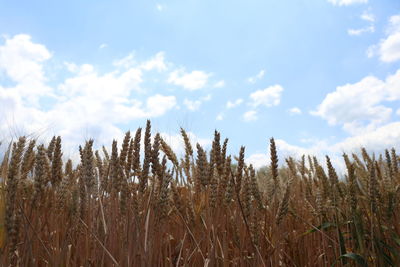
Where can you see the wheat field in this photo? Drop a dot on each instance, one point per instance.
(145, 206)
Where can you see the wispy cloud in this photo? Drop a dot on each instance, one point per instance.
(233, 104)
(257, 77)
(295, 111)
(102, 46)
(219, 84)
(250, 115)
(347, 2)
(125, 62)
(368, 17)
(356, 32)
(194, 105)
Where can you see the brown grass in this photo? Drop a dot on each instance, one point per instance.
(199, 210)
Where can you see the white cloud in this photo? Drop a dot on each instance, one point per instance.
(284, 150)
(102, 46)
(219, 84)
(356, 32)
(157, 62)
(368, 17)
(220, 117)
(175, 141)
(71, 67)
(194, 105)
(158, 105)
(250, 115)
(268, 97)
(294, 111)
(89, 82)
(259, 76)
(191, 81)
(206, 98)
(398, 112)
(394, 24)
(386, 136)
(347, 2)
(87, 104)
(125, 62)
(258, 160)
(21, 60)
(234, 104)
(359, 107)
(388, 48)
(376, 141)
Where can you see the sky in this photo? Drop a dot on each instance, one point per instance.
(320, 76)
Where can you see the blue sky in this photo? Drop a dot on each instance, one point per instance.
(321, 76)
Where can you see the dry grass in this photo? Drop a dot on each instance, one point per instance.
(118, 209)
